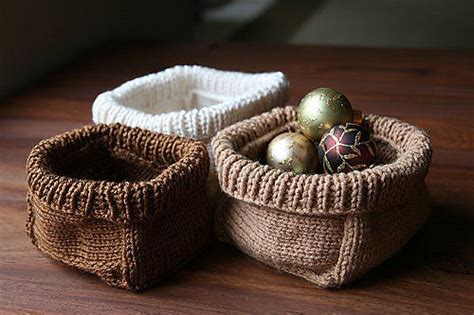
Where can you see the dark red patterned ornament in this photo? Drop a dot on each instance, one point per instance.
(346, 148)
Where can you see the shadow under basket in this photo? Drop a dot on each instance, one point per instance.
(125, 204)
(327, 229)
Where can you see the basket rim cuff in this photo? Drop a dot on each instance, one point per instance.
(187, 167)
(317, 194)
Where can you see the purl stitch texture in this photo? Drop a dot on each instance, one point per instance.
(327, 229)
(191, 101)
(125, 204)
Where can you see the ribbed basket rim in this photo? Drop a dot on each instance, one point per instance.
(187, 169)
(204, 121)
(323, 194)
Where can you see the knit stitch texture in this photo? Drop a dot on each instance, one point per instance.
(191, 101)
(125, 204)
(328, 229)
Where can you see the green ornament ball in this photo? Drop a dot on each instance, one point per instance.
(322, 109)
(291, 151)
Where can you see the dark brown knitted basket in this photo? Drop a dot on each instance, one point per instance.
(123, 203)
(328, 229)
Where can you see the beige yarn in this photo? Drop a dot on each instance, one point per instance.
(125, 204)
(328, 229)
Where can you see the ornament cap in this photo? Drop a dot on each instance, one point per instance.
(357, 116)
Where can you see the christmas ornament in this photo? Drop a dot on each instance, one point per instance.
(321, 109)
(346, 148)
(294, 152)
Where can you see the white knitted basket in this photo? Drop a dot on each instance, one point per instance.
(191, 101)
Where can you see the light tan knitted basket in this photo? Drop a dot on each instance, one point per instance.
(125, 204)
(328, 229)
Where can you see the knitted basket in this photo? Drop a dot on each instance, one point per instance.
(328, 229)
(122, 203)
(191, 101)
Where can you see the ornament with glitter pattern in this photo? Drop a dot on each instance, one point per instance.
(346, 148)
(321, 109)
(291, 151)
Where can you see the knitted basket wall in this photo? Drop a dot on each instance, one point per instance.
(191, 101)
(328, 229)
(125, 204)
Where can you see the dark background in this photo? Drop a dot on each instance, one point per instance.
(37, 36)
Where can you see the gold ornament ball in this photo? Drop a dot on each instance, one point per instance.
(294, 152)
(322, 109)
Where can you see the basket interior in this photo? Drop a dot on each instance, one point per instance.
(187, 100)
(175, 90)
(256, 149)
(100, 161)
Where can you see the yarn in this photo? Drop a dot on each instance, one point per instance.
(191, 101)
(328, 229)
(125, 204)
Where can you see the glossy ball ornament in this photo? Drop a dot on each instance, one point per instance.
(294, 152)
(346, 148)
(321, 109)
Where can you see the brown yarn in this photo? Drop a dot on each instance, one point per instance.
(123, 203)
(328, 229)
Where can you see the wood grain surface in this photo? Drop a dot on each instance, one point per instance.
(433, 273)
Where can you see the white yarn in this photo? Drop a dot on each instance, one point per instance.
(191, 101)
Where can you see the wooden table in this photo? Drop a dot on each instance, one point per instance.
(433, 273)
